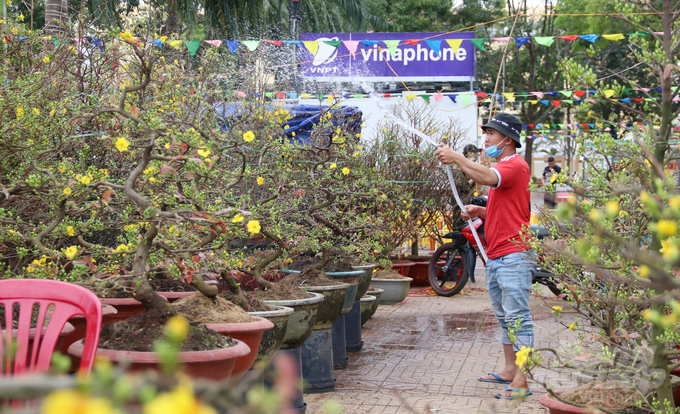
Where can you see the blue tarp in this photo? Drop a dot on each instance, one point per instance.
(303, 118)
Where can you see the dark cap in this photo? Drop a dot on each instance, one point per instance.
(507, 124)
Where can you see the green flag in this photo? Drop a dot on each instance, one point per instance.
(567, 93)
(545, 40)
(465, 98)
(426, 98)
(569, 101)
(392, 46)
(251, 44)
(193, 45)
(334, 43)
(269, 94)
(479, 43)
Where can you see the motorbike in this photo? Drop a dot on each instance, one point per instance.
(454, 263)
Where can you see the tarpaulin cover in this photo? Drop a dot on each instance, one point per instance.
(303, 118)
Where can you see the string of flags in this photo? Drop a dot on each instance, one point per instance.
(435, 44)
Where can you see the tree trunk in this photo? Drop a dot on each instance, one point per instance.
(56, 17)
(172, 23)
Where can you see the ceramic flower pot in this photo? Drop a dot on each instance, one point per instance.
(301, 321)
(366, 304)
(67, 330)
(403, 268)
(377, 293)
(248, 332)
(364, 280)
(351, 278)
(394, 290)
(215, 364)
(79, 328)
(174, 296)
(418, 273)
(332, 306)
(273, 338)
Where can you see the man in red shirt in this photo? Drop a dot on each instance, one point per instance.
(509, 270)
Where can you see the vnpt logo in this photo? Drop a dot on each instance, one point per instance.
(325, 53)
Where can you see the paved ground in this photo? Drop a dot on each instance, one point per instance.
(425, 355)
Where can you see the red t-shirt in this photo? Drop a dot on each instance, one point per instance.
(508, 208)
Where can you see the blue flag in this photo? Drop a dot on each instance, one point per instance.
(435, 45)
(233, 45)
(521, 40)
(591, 37)
(369, 43)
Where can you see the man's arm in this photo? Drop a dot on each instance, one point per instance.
(477, 172)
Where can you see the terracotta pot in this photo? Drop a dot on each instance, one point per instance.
(248, 332)
(403, 268)
(418, 273)
(174, 296)
(126, 307)
(558, 407)
(216, 364)
(79, 328)
(273, 338)
(301, 322)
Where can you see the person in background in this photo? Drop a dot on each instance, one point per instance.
(550, 197)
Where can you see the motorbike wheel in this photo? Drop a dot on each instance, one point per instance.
(452, 280)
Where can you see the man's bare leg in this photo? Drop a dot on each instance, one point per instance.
(511, 372)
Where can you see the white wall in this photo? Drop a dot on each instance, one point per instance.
(444, 108)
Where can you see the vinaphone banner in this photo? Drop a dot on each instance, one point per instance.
(368, 56)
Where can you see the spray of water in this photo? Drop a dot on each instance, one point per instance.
(389, 114)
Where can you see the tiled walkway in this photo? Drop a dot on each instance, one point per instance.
(424, 356)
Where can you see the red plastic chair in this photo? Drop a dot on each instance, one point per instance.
(68, 299)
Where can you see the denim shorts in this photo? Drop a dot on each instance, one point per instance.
(508, 280)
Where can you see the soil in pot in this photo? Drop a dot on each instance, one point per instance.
(387, 274)
(200, 308)
(609, 394)
(139, 332)
(164, 284)
(334, 265)
(248, 303)
(288, 288)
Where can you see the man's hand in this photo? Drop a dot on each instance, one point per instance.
(446, 155)
(472, 212)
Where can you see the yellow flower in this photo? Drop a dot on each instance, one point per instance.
(8, 2)
(254, 226)
(613, 208)
(71, 252)
(248, 136)
(74, 402)
(345, 171)
(46, 59)
(122, 144)
(127, 36)
(177, 328)
(180, 401)
(21, 17)
(203, 153)
(260, 180)
(644, 271)
(20, 112)
(67, 191)
(36, 111)
(153, 180)
(572, 326)
(522, 356)
(164, 38)
(334, 165)
(238, 218)
(553, 178)
(85, 180)
(666, 228)
(70, 231)
(557, 308)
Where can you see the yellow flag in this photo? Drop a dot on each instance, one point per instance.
(614, 37)
(509, 96)
(410, 97)
(609, 93)
(533, 102)
(305, 95)
(455, 44)
(312, 46)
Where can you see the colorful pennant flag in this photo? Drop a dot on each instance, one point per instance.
(500, 39)
(590, 37)
(613, 37)
(274, 42)
(351, 45)
(215, 43)
(521, 40)
(434, 44)
(369, 43)
(312, 46)
(232, 45)
(426, 98)
(452, 97)
(465, 98)
(251, 44)
(569, 38)
(539, 95)
(454, 44)
(392, 46)
(193, 45)
(411, 42)
(438, 96)
(479, 43)
(545, 40)
(334, 43)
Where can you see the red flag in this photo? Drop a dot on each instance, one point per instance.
(637, 99)
(579, 93)
(274, 42)
(411, 41)
(556, 103)
(569, 38)
(482, 94)
(280, 95)
(531, 125)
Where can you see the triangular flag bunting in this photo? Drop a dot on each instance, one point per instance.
(412, 42)
(232, 45)
(545, 40)
(482, 94)
(567, 93)
(292, 95)
(500, 39)
(274, 42)
(539, 95)
(293, 42)
(545, 102)
(351, 45)
(556, 103)
(392, 46)
(100, 44)
(590, 37)
(579, 93)
(479, 43)
(533, 102)
(434, 45)
(426, 98)
(465, 98)
(455, 44)
(193, 45)
(569, 38)
(569, 101)
(312, 46)
(438, 96)
(521, 40)
(334, 43)
(409, 97)
(509, 96)
(452, 97)
(269, 94)
(215, 43)
(158, 43)
(369, 43)
(614, 37)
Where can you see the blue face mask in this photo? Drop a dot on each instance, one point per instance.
(493, 150)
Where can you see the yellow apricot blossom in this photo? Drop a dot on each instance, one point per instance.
(179, 401)
(345, 171)
(203, 153)
(334, 165)
(254, 226)
(46, 59)
(71, 252)
(75, 402)
(666, 228)
(248, 136)
(177, 328)
(122, 144)
(260, 180)
(238, 218)
(70, 231)
(522, 356)
(127, 36)
(67, 191)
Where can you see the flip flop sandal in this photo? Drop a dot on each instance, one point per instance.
(512, 397)
(498, 379)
